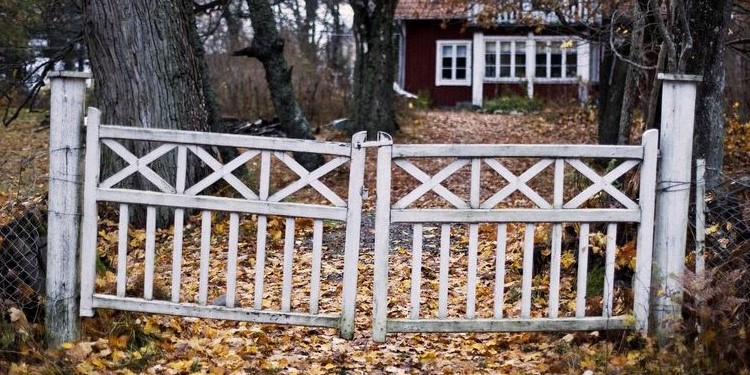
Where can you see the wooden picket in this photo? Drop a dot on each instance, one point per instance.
(474, 212)
(182, 199)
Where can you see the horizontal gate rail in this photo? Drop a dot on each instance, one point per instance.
(475, 211)
(174, 193)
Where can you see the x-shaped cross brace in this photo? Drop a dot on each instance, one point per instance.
(309, 178)
(517, 183)
(222, 171)
(139, 165)
(602, 183)
(431, 183)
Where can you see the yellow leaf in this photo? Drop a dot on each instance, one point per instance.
(712, 229)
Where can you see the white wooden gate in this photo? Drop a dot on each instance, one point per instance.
(473, 211)
(182, 198)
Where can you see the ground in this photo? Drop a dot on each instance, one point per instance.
(116, 342)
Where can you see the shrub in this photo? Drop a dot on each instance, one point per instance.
(513, 103)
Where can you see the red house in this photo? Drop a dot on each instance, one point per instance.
(458, 56)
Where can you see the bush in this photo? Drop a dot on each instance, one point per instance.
(513, 103)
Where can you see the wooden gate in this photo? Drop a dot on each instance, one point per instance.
(172, 193)
(597, 208)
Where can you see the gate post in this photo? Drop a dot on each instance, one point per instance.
(672, 199)
(63, 222)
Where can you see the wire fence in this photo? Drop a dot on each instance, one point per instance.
(720, 284)
(23, 218)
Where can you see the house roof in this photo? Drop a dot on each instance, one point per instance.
(431, 9)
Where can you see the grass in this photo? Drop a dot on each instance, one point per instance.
(513, 103)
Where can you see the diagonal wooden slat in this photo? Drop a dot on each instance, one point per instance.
(139, 165)
(602, 183)
(431, 183)
(222, 171)
(309, 178)
(517, 183)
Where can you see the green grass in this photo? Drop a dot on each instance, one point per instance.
(513, 103)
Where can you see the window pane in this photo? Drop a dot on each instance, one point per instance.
(489, 71)
(460, 73)
(505, 71)
(571, 61)
(504, 47)
(461, 51)
(505, 59)
(461, 62)
(446, 74)
(520, 66)
(489, 47)
(447, 63)
(541, 60)
(555, 60)
(447, 51)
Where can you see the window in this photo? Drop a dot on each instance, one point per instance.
(453, 63)
(504, 59)
(556, 60)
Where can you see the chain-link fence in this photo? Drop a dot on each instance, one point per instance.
(24, 163)
(720, 284)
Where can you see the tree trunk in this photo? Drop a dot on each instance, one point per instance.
(372, 100)
(611, 89)
(708, 22)
(631, 77)
(268, 48)
(147, 75)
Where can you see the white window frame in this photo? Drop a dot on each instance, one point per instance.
(563, 77)
(439, 80)
(513, 52)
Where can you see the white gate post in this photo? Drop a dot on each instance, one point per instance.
(65, 179)
(672, 198)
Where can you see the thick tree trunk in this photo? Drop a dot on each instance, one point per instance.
(709, 20)
(147, 74)
(372, 101)
(268, 48)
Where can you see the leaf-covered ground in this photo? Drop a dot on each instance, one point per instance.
(116, 342)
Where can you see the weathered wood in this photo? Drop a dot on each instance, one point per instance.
(66, 118)
(509, 325)
(222, 204)
(517, 183)
(317, 255)
(90, 217)
(609, 271)
(179, 222)
(260, 248)
(382, 240)
(436, 215)
(672, 198)
(122, 250)
(644, 251)
(583, 263)
(517, 151)
(309, 178)
(214, 312)
(148, 273)
(499, 300)
(288, 268)
(416, 270)
(700, 216)
(602, 183)
(220, 139)
(205, 257)
(528, 265)
(353, 228)
(445, 258)
(234, 223)
(431, 183)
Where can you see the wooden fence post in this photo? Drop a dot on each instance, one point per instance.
(672, 199)
(65, 179)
